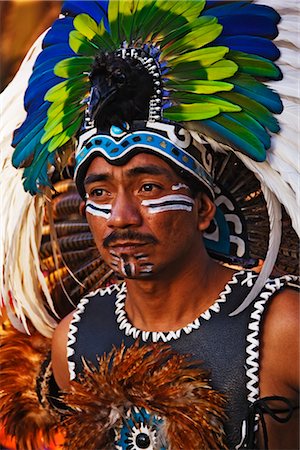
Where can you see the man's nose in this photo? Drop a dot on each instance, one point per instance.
(125, 212)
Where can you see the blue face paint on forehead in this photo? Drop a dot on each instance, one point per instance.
(118, 147)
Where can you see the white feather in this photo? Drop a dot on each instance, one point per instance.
(274, 212)
(281, 170)
(23, 286)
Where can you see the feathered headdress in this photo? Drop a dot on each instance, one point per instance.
(191, 81)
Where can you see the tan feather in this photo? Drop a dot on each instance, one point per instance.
(21, 412)
(154, 377)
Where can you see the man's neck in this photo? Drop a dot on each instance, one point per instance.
(164, 304)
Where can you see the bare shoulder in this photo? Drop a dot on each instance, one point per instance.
(59, 352)
(279, 365)
(280, 337)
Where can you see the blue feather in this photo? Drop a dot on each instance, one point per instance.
(224, 126)
(59, 32)
(26, 134)
(250, 44)
(34, 95)
(259, 112)
(248, 86)
(39, 116)
(246, 24)
(53, 54)
(253, 126)
(40, 167)
(95, 9)
(220, 9)
(23, 152)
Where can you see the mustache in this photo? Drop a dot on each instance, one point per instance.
(129, 235)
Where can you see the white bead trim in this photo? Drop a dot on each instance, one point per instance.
(76, 319)
(130, 330)
(253, 338)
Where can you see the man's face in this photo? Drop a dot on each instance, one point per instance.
(143, 216)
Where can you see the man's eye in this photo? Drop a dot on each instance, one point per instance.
(149, 187)
(98, 192)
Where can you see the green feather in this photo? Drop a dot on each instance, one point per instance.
(61, 90)
(245, 140)
(73, 98)
(144, 10)
(223, 105)
(65, 136)
(176, 14)
(254, 109)
(195, 39)
(200, 86)
(217, 71)
(93, 32)
(86, 26)
(127, 10)
(81, 45)
(253, 126)
(225, 129)
(194, 111)
(103, 39)
(190, 10)
(180, 32)
(258, 92)
(74, 66)
(204, 56)
(152, 22)
(113, 18)
(64, 118)
(255, 65)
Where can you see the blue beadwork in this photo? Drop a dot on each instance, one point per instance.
(115, 150)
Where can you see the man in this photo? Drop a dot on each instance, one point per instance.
(170, 282)
(158, 205)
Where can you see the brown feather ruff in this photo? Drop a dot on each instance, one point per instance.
(154, 377)
(21, 412)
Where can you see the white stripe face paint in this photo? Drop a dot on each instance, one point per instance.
(177, 186)
(172, 202)
(98, 210)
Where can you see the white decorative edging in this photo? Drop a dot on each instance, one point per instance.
(156, 336)
(76, 319)
(253, 338)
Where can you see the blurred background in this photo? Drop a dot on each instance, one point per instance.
(21, 22)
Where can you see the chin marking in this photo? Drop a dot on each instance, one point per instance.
(173, 202)
(131, 266)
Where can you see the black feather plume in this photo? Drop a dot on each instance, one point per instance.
(121, 90)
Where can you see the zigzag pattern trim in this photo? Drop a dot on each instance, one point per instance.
(253, 339)
(156, 336)
(76, 319)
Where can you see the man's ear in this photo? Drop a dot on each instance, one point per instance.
(206, 210)
(82, 208)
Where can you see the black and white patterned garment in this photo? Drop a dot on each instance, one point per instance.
(228, 345)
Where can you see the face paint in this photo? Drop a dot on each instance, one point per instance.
(131, 266)
(177, 186)
(127, 267)
(98, 210)
(169, 203)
